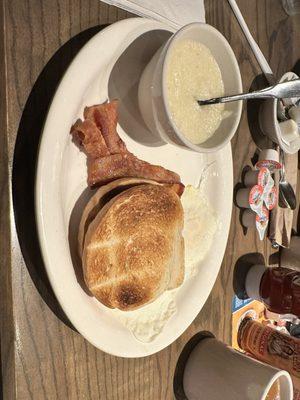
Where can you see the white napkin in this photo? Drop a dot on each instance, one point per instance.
(172, 12)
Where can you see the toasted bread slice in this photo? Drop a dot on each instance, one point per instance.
(134, 249)
(106, 193)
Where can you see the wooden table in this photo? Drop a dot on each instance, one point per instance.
(42, 356)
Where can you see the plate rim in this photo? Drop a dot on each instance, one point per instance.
(39, 210)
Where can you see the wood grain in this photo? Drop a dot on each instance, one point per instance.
(7, 389)
(42, 356)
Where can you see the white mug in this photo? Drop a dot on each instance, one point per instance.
(215, 371)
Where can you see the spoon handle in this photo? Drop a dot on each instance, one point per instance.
(288, 89)
(281, 90)
(261, 94)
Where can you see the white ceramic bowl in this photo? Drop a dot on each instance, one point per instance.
(152, 89)
(269, 122)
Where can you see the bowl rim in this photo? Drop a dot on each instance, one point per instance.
(204, 27)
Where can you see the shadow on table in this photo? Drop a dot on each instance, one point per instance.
(1, 378)
(25, 159)
(241, 268)
(74, 224)
(124, 81)
(253, 107)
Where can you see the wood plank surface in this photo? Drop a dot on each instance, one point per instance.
(42, 356)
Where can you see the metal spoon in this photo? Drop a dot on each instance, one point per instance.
(287, 197)
(282, 90)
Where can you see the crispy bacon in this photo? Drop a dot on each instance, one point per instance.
(89, 137)
(178, 188)
(107, 155)
(106, 169)
(105, 117)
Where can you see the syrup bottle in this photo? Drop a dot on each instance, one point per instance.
(278, 288)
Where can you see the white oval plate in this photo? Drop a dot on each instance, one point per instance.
(61, 179)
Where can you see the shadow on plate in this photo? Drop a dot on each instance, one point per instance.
(123, 84)
(25, 159)
(73, 235)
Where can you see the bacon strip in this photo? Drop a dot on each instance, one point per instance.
(107, 155)
(178, 188)
(89, 136)
(106, 169)
(105, 117)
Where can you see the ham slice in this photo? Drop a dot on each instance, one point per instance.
(105, 117)
(106, 169)
(89, 137)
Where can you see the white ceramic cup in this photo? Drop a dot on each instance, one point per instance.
(152, 93)
(269, 123)
(215, 371)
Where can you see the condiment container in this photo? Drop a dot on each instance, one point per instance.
(250, 197)
(260, 177)
(278, 288)
(271, 198)
(272, 347)
(262, 221)
(268, 158)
